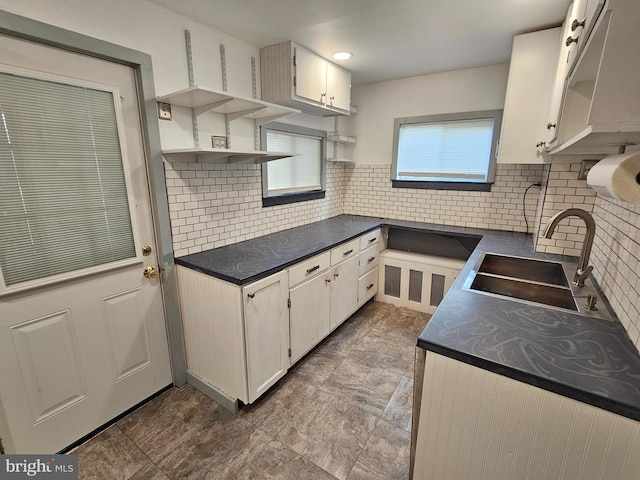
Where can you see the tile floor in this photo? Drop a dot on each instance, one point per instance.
(343, 412)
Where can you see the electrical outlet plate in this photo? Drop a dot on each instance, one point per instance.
(218, 142)
(164, 111)
(585, 167)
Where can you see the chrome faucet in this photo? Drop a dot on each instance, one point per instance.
(583, 270)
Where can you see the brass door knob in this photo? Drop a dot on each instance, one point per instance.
(150, 272)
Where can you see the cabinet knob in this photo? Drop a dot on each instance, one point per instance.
(370, 286)
(327, 280)
(541, 144)
(348, 252)
(576, 24)
(322, 95)
(331, 99)
(251, 295)
(571, 40)
(551, 125)
(336, 275)
(371, 259)
(313, 269)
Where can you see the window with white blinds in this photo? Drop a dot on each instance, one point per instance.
(456, 148)
(302, 173)
(63, 196)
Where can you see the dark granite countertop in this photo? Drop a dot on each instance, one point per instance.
(587, 359)
(251, 260)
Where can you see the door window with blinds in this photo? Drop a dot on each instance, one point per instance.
(453, 151)
(64, 208)
(297, 178)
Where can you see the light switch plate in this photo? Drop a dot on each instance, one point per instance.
(164, 111)
(585, 167)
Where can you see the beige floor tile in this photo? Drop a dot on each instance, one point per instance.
(276, 461)
(362, 383)
(110, 456)
(399, 409)
(293, 395)
(168, 425)
(343, 412)
(385, 456)
(331, 434)
(382, 351)
(150, 472)
(318, 365)
(221, 453)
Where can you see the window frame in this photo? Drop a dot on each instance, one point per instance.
(58, 278)
(496, 115)
(286, 198)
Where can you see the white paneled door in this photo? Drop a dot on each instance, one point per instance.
(82, 330)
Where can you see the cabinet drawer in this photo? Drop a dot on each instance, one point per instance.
(367, 286)
(369, 239)
(309, 268)
(344, 251)
(368, 259)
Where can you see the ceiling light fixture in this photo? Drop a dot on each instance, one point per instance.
(342, 55)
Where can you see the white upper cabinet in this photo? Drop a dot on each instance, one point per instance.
(310, 73)
(601, 105)
(529, 91)
(294, 76)
(580, 18)
(338, 87)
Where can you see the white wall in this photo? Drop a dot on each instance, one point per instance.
(379, 103)
(369, 191)
(151, 29)
(146, 27)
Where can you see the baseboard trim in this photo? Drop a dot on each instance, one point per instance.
(212, 392)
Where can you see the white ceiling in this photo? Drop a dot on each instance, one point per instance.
(389, 38)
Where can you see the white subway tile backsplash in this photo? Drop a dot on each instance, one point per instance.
(616, 250)
(369, 192)
(212, 205)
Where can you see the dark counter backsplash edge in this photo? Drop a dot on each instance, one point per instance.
(534, 380)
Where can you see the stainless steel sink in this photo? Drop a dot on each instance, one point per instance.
(533, 292)
(536, 282)
(524, 269)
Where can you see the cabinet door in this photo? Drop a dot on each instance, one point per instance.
(367, 286)
(577, 13)
(309, 315)
(267, 332)
(562, 70)
(593, 9)
(531, 77)
(311, 75)
(344, 291)
(338, 87)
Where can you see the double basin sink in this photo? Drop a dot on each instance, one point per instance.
(537, 282)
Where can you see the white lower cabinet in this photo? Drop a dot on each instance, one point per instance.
(240, 340)
(344, 291)
(367, 286)
(309, 314)
(473, 423)
(266, 329)
(236, 338)
(414, 280)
